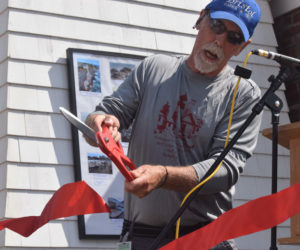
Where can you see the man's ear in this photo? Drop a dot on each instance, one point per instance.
(242, 46)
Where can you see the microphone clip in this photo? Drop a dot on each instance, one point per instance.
(242, 72)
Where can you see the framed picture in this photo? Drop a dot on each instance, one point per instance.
(93, 75)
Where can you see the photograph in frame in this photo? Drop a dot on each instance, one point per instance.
(92, 76)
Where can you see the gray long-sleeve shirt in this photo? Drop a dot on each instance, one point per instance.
(180, 118)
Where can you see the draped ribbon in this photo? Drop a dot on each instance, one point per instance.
(257, 215)
(71, 199)
(78, 198)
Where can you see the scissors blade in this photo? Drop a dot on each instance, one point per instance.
(80, 125)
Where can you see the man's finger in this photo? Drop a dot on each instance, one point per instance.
(89, 141)
(108, 121)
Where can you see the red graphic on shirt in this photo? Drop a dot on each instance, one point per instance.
(181, 121)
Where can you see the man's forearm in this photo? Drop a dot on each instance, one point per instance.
(181, 179)
(150, 177)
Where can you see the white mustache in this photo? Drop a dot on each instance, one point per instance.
(214, 49)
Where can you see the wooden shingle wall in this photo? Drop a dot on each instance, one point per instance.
(35, 140)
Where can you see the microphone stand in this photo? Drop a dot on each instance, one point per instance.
(274, 103)
(275, 122)
(269, 99)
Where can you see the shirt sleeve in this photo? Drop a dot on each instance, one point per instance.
(124, 102)
(235, 160)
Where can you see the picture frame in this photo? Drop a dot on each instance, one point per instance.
(93, 75)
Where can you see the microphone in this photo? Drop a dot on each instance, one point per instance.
(282, 59)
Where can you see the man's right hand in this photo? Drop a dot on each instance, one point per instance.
(96, 121)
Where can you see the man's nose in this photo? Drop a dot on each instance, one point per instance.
(221, 39)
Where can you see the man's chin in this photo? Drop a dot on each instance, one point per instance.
(206, 69)
(203, 65)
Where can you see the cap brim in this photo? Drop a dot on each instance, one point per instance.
(233, 18)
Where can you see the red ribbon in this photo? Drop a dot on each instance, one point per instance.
(71, 199)
(257, 215)
(260, 214)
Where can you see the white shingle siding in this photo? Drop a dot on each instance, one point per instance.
(35, 140)
(3, 97)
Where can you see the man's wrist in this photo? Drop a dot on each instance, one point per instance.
(164, 178)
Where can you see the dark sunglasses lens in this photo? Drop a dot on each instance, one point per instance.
(217, 26)
(234, 37)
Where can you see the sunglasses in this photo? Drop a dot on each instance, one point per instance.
(218, 27)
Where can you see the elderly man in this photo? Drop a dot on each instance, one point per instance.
(179, 107)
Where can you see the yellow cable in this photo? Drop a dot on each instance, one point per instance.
(226, 143)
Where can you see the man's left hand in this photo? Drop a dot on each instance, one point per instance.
(147, 178)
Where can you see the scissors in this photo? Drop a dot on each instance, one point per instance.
(105, 142)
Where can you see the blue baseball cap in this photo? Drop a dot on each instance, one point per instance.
(244, 13)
